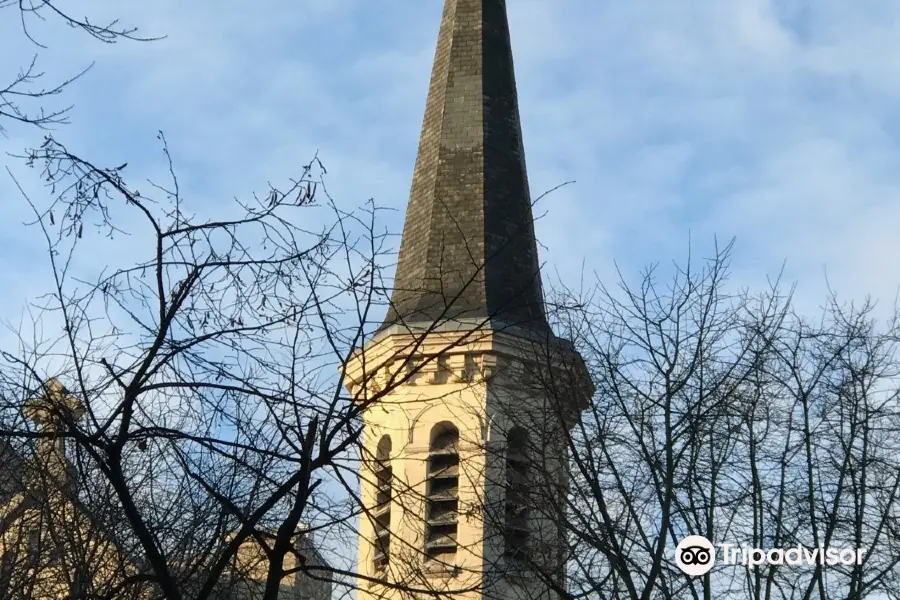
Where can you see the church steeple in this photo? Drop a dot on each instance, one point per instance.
(468, 248)
(451, 419)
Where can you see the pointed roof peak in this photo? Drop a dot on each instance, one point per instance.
(468, 248)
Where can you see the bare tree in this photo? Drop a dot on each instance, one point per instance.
(726, 415)
(822, 440)
(58, 544)
(211, 418)
(25, 95)
(205, 431)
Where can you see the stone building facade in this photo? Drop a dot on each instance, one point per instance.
(51, 547)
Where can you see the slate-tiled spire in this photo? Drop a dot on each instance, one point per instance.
(468, 247)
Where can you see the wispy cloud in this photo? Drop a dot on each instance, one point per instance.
(775, 122)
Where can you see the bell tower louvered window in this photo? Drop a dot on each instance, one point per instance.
(442, 494)
(382, 512)
(516, 524)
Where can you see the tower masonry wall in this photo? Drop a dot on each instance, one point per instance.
(483, 388)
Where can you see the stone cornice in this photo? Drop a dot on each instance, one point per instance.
(467, 357)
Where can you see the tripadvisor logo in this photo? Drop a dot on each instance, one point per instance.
(695, 555)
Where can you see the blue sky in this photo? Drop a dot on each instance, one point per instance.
(775, 122)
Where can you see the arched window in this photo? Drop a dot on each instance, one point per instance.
(382, 512)
(515, 532)
(442, 493)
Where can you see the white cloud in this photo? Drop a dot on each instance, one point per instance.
(771, 121)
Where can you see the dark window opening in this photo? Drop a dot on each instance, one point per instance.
(442, 503)
(516, 530)
(384, 476)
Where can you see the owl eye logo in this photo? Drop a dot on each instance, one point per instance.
(695, 555)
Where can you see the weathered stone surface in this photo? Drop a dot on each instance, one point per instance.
(468, 248)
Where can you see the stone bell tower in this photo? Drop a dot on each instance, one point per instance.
(466, 392)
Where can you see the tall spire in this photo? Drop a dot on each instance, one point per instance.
(468, 248)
